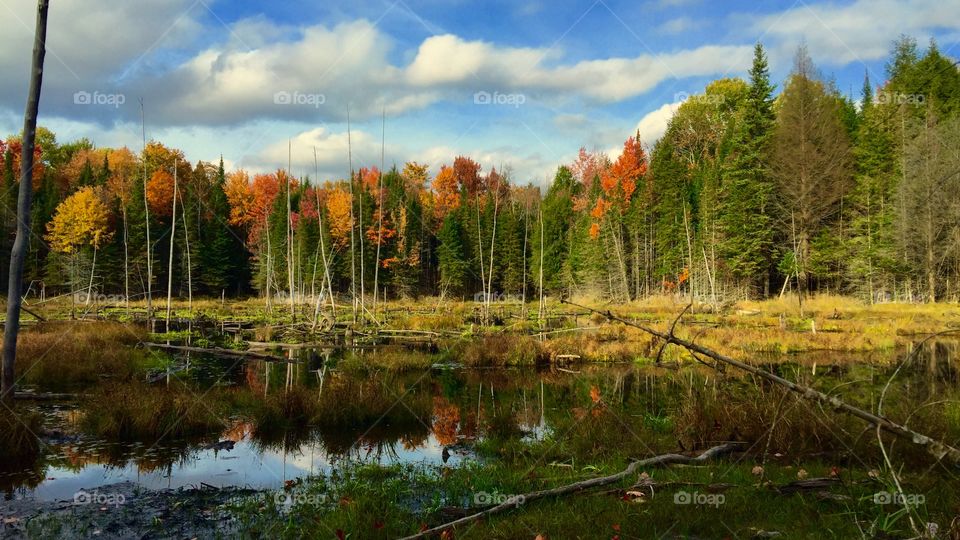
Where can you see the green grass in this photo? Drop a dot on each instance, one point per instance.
(391, 501)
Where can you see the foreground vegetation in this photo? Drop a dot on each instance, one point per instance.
(588, 398)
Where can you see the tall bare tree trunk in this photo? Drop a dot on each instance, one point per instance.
(540, 306)
(146, 219)
(126, 261)
(186, 241)
(291, 288)
(269, 264)
(353, 253)
(323, 248)
(173, 238)
(376, 267)
(493, 240)
(523, 293)
(93, 269)
(19, 253)
(483, 279)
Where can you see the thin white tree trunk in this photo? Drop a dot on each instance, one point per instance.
(186, 240)
(93, 267)
(173, 237)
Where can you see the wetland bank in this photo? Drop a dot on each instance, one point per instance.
(380, 434)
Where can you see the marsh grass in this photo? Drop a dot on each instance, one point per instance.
(61, 355)
(503, 350)
(390, 357)
(135, 411)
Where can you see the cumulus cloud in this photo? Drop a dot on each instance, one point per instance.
(332, 153)
(654, 124)
(841, 34)
(316, 73)
(90, 47)
(449, 60)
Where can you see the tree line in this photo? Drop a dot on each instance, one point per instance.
(750, 193)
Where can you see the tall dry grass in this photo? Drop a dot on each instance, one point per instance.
(57, 355)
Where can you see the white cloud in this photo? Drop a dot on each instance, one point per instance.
(333, 159)
(861, 31)
(654, 124)
(346, 67)
(89, 47)
(451, 61)
(680, 25)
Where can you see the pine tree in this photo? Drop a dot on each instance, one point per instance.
(558, 217)
(450, 253)
(746, 200)
(219, 242)
(873, 257)
(137, 239)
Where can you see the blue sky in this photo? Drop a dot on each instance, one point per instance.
(242, 78)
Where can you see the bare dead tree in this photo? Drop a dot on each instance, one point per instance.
(811, 160)
(173, 238)
(376, 267)
(18, 254)
(146, 219)
(929, 219)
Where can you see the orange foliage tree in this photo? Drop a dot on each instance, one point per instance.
(15, 148)
(446, 193)
(160, 193)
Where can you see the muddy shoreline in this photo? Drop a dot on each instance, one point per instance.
(126, 510)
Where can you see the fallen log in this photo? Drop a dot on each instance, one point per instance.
(514, 502)
(219, 351)
(47, 396)
(938, 449)
(266, 345)
(24, 308)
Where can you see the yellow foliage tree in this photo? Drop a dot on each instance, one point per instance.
(81, 220)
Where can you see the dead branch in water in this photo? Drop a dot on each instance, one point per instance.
(218, 351)
(514, 502)
(938, 449)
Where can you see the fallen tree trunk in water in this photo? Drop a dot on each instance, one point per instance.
(514, 502)
(48, 396)
(936, 448)
(219, 351)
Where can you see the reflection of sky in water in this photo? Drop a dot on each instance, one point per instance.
(244, 466)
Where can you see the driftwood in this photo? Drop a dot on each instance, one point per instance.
(514, 502)
(938, 449)
(24, 308)
(266, 345)
(47, 396)
(219, 351)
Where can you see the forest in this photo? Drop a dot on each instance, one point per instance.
(757, 188)
(746, 327)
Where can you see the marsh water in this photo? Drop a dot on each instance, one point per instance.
(433, 416)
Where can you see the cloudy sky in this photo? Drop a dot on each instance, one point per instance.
(513, 83)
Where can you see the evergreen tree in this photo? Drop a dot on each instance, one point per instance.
(219, 251)
(873, 257)
(746, 200)
(557, 214)
(450, 254)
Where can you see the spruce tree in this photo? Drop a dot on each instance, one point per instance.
(872, 246)
(745, 219)
(219, 242)
(450, 253)
(558, 216)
